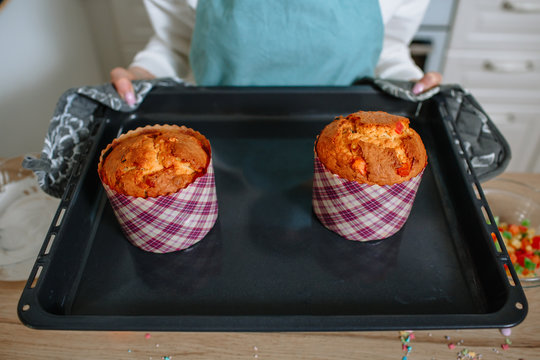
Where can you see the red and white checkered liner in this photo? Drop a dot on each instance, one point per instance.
(171, 222)
(361, 212)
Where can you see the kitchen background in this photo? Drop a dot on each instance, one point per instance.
(490, 47)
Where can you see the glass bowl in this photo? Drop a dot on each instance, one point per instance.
(513, 202)
(26, 213)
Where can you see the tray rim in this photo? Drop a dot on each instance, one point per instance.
(246, 322)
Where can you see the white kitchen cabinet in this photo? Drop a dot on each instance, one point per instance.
(521, 132)
(497, 24)
(494, 53)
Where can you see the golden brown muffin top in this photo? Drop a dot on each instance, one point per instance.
(154, 160)
(372, 147)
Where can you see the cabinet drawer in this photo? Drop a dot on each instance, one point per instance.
(522, 131)
(504, 71)
(497, 24)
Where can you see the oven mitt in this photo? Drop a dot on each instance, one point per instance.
(70, 127)
(487, 149)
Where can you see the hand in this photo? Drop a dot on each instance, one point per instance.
(430, 80)
(121, 79)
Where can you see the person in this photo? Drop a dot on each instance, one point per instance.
(278, 42)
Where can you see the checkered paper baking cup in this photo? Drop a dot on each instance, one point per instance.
(361, 212)
(171, 222)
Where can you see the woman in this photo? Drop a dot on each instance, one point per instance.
(278, 42)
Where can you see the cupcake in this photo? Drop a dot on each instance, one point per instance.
(368, 166)
(160, 182)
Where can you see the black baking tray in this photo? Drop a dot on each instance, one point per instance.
(268, 264)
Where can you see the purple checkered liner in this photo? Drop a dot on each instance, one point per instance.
(171, 222)
(361, 212)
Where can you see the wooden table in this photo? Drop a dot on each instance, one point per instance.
(20, 342)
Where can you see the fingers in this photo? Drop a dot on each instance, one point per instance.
(430, 79)
(125, 90)
(121, 80)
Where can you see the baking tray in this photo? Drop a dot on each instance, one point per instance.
(268, 264)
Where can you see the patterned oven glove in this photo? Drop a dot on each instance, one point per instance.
(65, 142)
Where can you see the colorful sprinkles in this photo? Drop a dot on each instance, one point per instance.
(463, 354)
(406, 337)
(466, 354)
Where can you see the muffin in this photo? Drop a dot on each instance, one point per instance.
(372, 148)
(367, 170)
(155, 161)
(160, 183)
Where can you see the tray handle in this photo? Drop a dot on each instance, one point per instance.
(27, 302)
(489, 224)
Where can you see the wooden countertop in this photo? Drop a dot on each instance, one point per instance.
(20, 342)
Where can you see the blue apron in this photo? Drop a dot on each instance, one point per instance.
(285, 42)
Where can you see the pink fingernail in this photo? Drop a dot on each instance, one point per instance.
(130, 98)
(418, 88)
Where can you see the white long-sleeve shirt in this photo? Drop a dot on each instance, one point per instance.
(167, 52)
